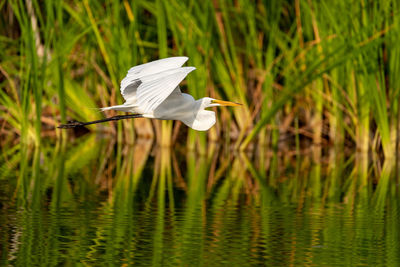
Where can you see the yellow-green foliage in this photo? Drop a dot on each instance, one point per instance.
(331, 65)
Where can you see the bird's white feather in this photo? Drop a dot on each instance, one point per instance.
(155, 88)
(130, 83)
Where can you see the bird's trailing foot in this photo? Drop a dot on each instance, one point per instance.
(71, 124)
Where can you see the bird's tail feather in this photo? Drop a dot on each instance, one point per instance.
(106, 108)
(126, 108)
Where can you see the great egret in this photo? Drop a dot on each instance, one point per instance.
(152, 90)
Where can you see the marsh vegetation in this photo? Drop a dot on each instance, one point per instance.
(306, 169)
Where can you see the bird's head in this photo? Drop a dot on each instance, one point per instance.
(208, 102)
(204, 119)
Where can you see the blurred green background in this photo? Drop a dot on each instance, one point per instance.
(306, 170)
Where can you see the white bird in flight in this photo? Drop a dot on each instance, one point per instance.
(151, 90)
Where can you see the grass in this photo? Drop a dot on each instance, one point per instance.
(331, 66)
(275, 58)
(308, 72)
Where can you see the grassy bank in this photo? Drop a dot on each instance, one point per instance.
(319, 72)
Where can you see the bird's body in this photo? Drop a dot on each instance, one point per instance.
(151, 90)
(187, 110)
(179, 106)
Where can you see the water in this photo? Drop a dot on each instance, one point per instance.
(100, 203)
(239, 235)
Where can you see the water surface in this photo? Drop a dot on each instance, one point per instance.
(95, 202)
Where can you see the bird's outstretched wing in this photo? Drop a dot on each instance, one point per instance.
(155, 88)
(132, 81)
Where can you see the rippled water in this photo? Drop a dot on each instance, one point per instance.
(185, 214)
(204, 235)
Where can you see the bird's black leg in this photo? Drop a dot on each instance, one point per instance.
(73, 124)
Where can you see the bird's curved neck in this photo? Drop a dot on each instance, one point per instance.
(200, 104)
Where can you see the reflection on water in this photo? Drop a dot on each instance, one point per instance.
(96, 202)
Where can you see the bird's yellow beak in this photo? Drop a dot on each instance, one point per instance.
(225, 103)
